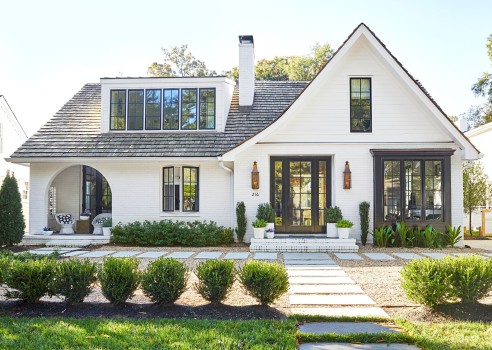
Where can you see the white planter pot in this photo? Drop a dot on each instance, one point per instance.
(47, 233)
(84, 217)
(259, 232)
(270, 230)
(331, 230)
(106, 231)
(343, 232)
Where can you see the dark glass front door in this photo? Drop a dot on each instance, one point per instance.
(96, 192)
(300, 190)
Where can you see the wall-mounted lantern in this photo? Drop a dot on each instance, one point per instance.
(347, 177)
(255, 177)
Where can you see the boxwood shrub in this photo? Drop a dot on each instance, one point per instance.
(434, 282)
(165, 280)
(264, 281)
(215, 279)
(172, 233)
(74, 279)
(119, 278)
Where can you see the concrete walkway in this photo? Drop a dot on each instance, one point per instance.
(479, 243)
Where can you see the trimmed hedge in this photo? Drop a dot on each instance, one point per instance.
(74, 279)
(165, 280)
(172, 233)
(434, 282)
(119, 279)
(215, 279)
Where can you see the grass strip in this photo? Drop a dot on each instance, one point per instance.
(68, 333)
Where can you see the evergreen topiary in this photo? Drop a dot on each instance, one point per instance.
(215, 279)
(165, 280)
(364, 221)
(241, 221)
(11, 218)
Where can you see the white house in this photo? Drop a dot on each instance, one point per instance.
(12, 135)
(184, 148)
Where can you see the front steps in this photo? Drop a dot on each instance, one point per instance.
(57, 240)
(293, 243)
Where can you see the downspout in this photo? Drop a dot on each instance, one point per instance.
(221, 164)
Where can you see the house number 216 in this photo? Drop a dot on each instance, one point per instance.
(255, 194)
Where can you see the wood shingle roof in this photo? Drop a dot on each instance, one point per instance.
(75, 131)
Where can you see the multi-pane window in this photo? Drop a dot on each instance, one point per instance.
(207, 108)
(171, 109)
(153, 109)
(118, 110)
(180, 185)
(52, 201)
(166, 109)
(188, 109)
(135, 109)
(360, 105)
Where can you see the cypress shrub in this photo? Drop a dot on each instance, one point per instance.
(165, 280)
(215, 279)
(30, 279)
(242, 221)
(12, 224)
(119, 279)
(264, 281)
(364, 221)
(75, 279)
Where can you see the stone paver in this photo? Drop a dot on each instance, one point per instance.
(379, 256)
(125, 254)
(309, 262)
(348, 256)
(208, 255)
(348, 346)
(316, 273)
(180, 255)
(461, 254)
(320, 280)
(236, 256)
(435, 255)
(322, 299)
(344, 328)
(407, 256)
(306, 256)
(265, 256)
(325, 289)
(312, 267)
(76, 253)
(97, 254)
(340, 311)
(488, 254)
(51, 249)
(151, 255)
(41, 252)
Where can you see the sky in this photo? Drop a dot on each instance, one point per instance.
(50, 49)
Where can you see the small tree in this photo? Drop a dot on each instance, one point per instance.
(364, 221)
(11, 218)
(242, 221)
(476, 189)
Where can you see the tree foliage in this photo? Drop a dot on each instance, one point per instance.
(11, 218)
(291, 67)
(476, 189)
(179, 62)
(483, 87)
(478, 115)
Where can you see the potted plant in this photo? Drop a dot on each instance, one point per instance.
(332, 216)
(266, 212)
(343, 228)
(47, 231)
(107, 226)
(85, 215)
(259, 228)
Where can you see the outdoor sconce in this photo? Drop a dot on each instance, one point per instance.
(347, 177)
(255, 177)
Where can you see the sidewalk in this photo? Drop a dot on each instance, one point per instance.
(479, 243)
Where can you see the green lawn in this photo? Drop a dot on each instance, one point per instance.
(69, 333)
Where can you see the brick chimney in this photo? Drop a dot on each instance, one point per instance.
(246, 71)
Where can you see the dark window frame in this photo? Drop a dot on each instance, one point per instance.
(196, 192)
(182, 105)
(200, 108)
(164, 124)
(160, 109)
(352, 106)
(169, 205)
(422, 155)
(111, 106)
(142, 118)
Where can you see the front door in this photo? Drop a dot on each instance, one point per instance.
(300, 190)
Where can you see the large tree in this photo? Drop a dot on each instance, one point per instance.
(11, 218)
(291, 67)
(477, 190)
(483, 87)
(178, 62)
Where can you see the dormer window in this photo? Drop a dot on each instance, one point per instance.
(360, 105)
(166, 109)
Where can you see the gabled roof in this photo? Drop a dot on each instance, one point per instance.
(480, 130)
(471, 152)
(75, 130)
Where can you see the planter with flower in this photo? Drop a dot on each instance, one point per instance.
(107, 226)
(266, 212)
(332, 216)
(343, 228)
(259, 228)
(47, 231)
(85, 215)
